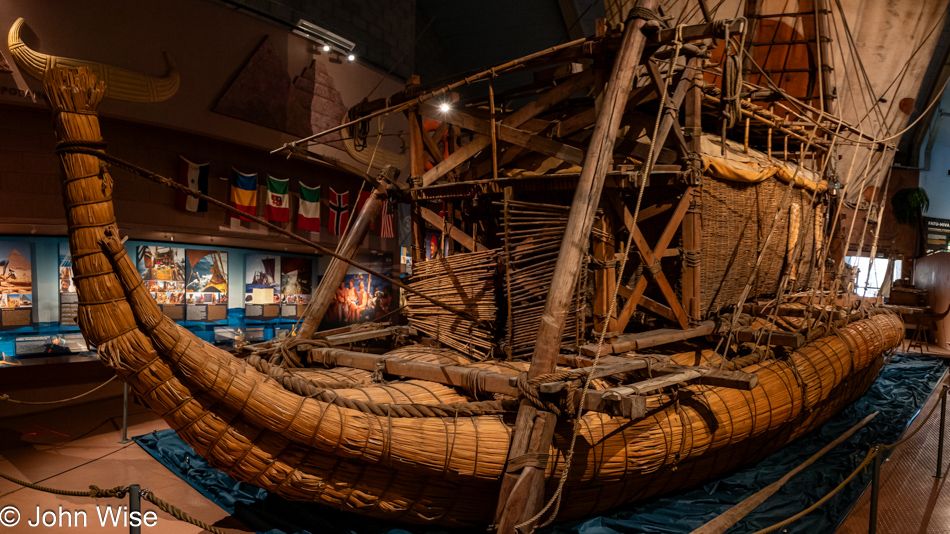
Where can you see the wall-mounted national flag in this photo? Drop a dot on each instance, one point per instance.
(278, 199)
(244, 193)
(360, 202)
(308, 210)
(387, 229)
(339, 212)
(194, 176)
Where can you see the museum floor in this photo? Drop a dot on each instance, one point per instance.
(78, 446)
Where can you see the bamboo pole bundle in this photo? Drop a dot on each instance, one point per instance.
(465, 280)
(533, 232)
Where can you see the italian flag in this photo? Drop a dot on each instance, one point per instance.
(308, 211)
(278, 199)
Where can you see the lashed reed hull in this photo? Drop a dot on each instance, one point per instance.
(423, 470)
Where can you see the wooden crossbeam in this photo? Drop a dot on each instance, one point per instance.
(430, 143)
(451, 375)
(467, 377)
(455, 233)
(529, 111)
(625, 365)
(715, 377)
(522, 138)
(681, 83)
(695, 32)
(353, 337)
(651, 257)
(670, 375)
(776, 338)
(587, 117)
(652, 338)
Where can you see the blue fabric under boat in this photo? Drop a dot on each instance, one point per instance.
(898, 393)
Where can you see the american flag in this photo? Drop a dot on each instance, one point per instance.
(387, 229)
(339, 215)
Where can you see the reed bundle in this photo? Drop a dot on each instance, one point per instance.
(443, 470)
(465, 280)
(534, 233)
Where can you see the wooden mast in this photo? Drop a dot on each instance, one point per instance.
(351, 243)
(522, 495)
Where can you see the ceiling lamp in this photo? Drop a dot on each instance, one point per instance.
(325, 38)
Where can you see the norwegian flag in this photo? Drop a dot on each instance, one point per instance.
(360, 202)
(387, 229)
(339, 214)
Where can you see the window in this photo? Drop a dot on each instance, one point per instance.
(877, 269)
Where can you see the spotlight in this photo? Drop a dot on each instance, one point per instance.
(326, 48)
(444, 107)
(351, 57)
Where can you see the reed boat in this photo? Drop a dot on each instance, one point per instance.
(571, 355)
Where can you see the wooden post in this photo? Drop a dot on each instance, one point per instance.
(522, 495)
(350, 243)
(605, 277)
(417, 167)
(693, 221)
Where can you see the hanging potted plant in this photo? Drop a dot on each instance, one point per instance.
(909, 205)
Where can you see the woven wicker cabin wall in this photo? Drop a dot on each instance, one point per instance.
(736, 220)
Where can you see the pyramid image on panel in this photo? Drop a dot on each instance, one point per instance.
(263, 93)
(19, 266)
(259, 92)
(326, 108)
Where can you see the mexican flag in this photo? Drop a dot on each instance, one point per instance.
(278, 199)
(308, 210)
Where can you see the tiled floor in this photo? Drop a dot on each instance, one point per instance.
(912, 500)
(77, 447)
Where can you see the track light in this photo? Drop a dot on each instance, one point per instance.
(444, 107)
(325, 39)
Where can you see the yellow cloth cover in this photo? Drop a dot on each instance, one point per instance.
(753, 167)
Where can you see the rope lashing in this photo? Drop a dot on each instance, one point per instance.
(693, 257)
(643, 13)
(731, 80)
(561, 405)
